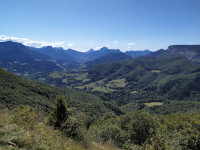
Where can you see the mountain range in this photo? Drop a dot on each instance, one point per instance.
(128, 79)
(17, 58)
(29, 61)
(71, 55)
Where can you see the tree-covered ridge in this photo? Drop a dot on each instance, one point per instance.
(15, 91)
(171, 77)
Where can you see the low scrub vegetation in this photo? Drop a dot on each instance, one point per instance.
(23, 128)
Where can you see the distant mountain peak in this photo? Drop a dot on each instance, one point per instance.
(12, 43)
(104, 47)
(50, 46)
(90, 51)
(107, 49)
(146, 50)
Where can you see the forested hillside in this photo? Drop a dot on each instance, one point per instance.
(15, 91)
(152, 78)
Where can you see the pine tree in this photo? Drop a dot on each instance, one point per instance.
(60, 113)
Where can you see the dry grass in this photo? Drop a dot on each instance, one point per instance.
(155, 71)
(119, 82)
(151, 104)
(39, 137)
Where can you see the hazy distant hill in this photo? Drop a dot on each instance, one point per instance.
(71, 55)
(134, 54)
(114, 57)
(76, 55)
(102, 52)
(90, 51)
(54, 53)
(18, 51)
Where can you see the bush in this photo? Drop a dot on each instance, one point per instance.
(142, 127)
(25, 116)
(74, 127)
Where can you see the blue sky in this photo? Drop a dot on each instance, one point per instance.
(85, 24)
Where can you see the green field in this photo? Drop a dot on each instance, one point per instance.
(151, 104)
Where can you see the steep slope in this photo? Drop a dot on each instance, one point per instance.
(192, 52)
(16, 91)
(18, 59)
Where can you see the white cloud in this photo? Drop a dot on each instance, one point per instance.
(6, 38)
(115, 42)
(28, 42)
(70, 44)
(131, 44)
(97, 48)
(107, 45)
(128, 48)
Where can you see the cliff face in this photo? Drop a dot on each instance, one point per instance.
(192, 52)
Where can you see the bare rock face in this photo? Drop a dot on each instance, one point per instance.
(192, 52)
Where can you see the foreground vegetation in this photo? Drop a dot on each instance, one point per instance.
(25, 128)
(141, 130)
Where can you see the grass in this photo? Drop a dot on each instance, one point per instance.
(151, 104)
(42, 79)
(156, 71)
(96, 86)
(102, 89)
(118, 83)
(67, 76)
(134, 92)
(64, 81)
(22, 64)
(56, 74)
(39, 137)
(38, 59)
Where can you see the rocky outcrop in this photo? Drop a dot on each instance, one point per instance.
(192, 52)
